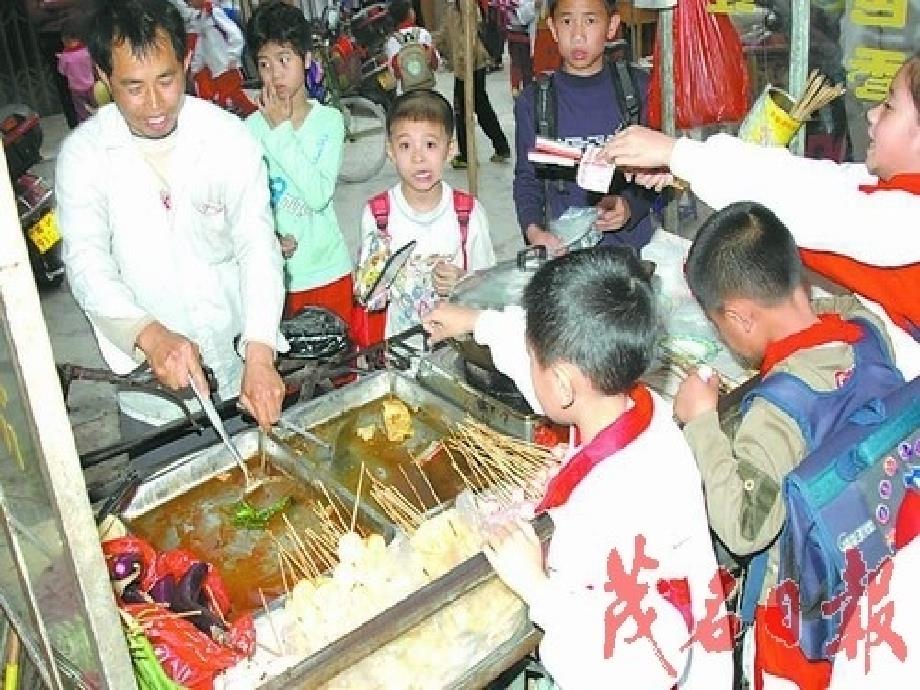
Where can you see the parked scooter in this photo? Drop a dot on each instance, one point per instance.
(355, 54)
(22, 139)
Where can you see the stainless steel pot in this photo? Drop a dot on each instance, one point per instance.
(495, 288)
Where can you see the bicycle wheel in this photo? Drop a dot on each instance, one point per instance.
(365, 150)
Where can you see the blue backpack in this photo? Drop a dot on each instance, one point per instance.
(846, 491)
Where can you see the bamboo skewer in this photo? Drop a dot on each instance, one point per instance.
(334, 506)
(354, 512)
(301, 562)
(271, 623)
(287, 590)
(421, 471)
(214, 605)
(414, 490)
(818, 93)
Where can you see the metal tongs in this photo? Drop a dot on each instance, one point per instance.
(218, 425)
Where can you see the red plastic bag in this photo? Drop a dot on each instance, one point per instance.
(710, 74)
(188, 656)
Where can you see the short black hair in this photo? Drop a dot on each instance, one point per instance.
(745, 251)
(139, 22)
(277, 22)
(611, 6)
(421, 105)
(399, 10)
(594, 308)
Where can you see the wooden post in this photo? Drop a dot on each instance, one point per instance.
(470, 16)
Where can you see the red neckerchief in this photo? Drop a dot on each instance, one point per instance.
(906, 182)
(406, 25)
(74, 48)
(609, 441)
(829, 329)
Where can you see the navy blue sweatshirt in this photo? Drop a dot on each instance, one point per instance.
(586, 108)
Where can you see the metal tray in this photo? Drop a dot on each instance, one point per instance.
(193, 469)
(203, 523)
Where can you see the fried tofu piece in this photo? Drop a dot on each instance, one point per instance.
(397, 422)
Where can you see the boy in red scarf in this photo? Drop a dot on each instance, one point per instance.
(628, 495)
(745, 271)
(855, 222)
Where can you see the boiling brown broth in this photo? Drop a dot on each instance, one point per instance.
(382, 458)
(201, 521)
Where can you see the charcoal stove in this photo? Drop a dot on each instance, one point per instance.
(495, 402)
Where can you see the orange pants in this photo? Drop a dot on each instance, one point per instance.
(225, 90)
(335, 296)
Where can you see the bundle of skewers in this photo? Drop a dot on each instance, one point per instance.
(505, 470)
(507, 467)
(819, 91)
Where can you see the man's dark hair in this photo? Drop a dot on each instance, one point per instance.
(595, 309)
(611, 6)
(421, 105)
(139, 22)
(744, 251)
(399, 10)
(278, 22)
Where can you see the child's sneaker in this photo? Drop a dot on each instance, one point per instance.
(458, 163)
(500, 157)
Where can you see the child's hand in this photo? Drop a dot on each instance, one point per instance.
(288, 246)
(274, 107)
(449, 320)
(649, 180)
(537, 235)
(515, 553)
(446, 275)
(696, 396)
(613, 213)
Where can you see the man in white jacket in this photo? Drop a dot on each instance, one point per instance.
(167, 231)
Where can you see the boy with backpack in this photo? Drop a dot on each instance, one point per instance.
(582, 104)
(448, 227)
(410, 54)
(586, 333)
(819, 363)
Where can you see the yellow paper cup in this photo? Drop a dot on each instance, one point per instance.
(769, 123)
